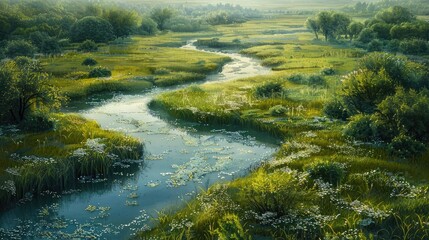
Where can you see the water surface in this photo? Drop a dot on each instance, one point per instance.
(181, 158)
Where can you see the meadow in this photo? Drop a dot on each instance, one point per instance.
(320, 184)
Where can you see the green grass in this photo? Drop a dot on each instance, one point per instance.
(376, 196)
(53, 160)
(134, 63)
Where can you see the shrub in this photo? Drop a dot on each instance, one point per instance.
(278, 110)
(37, 122)
(375, 46)
(100, 72)
(406, 112)
(331, 172)
(316, 80)
(366, 35)
(327, 71)
(89, 62)
(361, 128)
(405, 147)
(19, 48)
(297, 78)
(269, 90)
(335, 109)
(414, 46)
(88, 46)
(148, 26)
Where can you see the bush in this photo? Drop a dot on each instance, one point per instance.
(297, 78)
(375, 46)
(269, 90)
(406, 147)
(331, 172)
(327, 71)
(19, 48)
(316, 80)
(148, 27)
(37, 122)
(99, 72)
(89, 62)
(88, 46)
(335, 109)
(406, 112)
(277, 111)
(366, 36)
(361, 128)
(414, 46)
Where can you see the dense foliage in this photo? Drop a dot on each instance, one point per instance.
(25, 89)
(388, 100)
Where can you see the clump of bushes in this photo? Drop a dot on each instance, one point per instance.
(88, 46)
(99, 72)
(269, 90)
(297, 78)
(89, 62)
(361, 128)
(331, 172)
(414, 46)
(278, 110)
(335, 109)
(388, 102)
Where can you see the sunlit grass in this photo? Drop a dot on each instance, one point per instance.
(53, 160)
(376, 196)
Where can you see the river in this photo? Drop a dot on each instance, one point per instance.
(181, 158)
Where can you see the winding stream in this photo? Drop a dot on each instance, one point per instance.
(181, 158)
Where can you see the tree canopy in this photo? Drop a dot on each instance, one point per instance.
(92, 28)
(25, 88)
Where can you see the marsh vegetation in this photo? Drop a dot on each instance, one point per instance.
(214, 121)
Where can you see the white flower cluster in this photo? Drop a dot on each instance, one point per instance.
(9, 186)
(95, 145)
(184, 223)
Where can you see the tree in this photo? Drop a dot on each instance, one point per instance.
(313, 25)
(92, 28)
(88, 46)
(123, 22)
(19, 48)
(326, 23)
(366, 35)
(332, 24)
(148, 26)
(160, 16)
(395, 15)
(340, 23)
(354, 29)
(50, 46)
(26, 88)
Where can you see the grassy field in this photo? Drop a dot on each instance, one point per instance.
(137, 64)
(365, 193)
(54, 160)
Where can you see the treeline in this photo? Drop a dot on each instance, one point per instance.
(394, 29)
(419, 7)
(47, 27)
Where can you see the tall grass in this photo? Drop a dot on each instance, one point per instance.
(54, 160)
